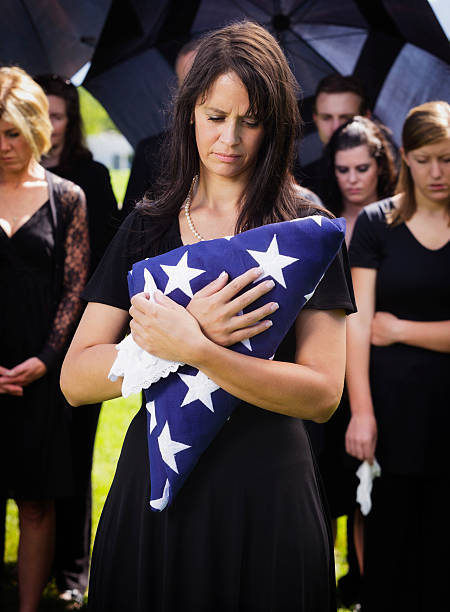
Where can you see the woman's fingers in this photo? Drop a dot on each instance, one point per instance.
(251, 318)
(250, 296)
(214, 286)
(11, 389)
(249, 332)
(240, 282)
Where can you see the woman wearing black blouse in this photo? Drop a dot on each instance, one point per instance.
(227, 543)
(398, 371)
(69, 157)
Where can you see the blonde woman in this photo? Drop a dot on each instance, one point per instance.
(44, 257)
(398, 371)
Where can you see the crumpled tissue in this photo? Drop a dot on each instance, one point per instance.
(366, 473)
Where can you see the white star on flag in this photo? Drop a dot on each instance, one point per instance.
(180, 276)
(308, 296)
(169, 448)
(149, 285)
(272, 262)
(200, 387)
(151, 409)
(161, 503)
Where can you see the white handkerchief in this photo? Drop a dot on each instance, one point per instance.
(139, 368)
(366, 473)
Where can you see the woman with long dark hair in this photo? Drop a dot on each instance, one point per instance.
(361, 169)
(227, 542)
(70, 158)
(397, 372)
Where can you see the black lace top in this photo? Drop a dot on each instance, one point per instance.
(43, 269)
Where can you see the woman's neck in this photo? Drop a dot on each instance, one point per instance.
(218, 194)
(427, 207)
(53, 157)
(350, 211)
(31, 172)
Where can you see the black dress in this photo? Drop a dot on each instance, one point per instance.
(43, 268)
(73, 514)
(248, 531)
(407, 541)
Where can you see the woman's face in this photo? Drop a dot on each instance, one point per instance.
(357, 175)
(228, 138)
(15, 152)
(58, 118)
(430, 170)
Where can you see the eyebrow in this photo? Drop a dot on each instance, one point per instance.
(221, 112)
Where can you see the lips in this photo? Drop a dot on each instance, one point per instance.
(227, 157)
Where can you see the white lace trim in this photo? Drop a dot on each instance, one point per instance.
(138, 368)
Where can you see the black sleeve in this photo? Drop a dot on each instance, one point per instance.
(335, 290)
(108, 284)
(367, 240)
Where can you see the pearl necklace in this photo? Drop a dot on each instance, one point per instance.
(187, 206)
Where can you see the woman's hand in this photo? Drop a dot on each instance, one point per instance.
(361, 436)
(216, 308)
(165, 329)
(385, 329)
(22, 375)
(6, 386)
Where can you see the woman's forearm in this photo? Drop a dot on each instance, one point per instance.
(357, 368)
(432, 335)
(287, 388)
(358, 342)
(84, 373)
(311, 388)
(84, 376)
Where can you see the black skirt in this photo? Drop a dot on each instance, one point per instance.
(247, 532)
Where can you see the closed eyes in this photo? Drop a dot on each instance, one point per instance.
(361, 168)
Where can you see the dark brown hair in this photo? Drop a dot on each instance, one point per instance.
(354, 133)
(74, 145)
(248, 50)
(424, 125)
(338, 83)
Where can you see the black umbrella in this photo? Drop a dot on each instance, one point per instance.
(400, 63)
(400, 52)
(57, 36)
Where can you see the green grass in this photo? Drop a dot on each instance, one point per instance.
(115, 417)
(119, 181)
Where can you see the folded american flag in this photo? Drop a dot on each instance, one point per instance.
(186, 409)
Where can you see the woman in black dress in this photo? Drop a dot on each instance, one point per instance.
(70, 158)
(44, 257)
(398, 371)
(247, 530)
(361, 170)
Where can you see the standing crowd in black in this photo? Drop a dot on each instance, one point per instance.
(59, 225)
